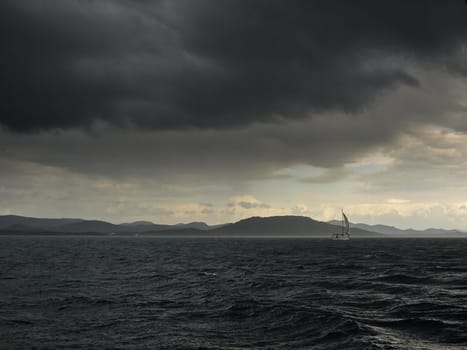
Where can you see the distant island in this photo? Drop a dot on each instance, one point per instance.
(280, 226)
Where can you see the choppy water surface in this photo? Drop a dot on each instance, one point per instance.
(91, 292)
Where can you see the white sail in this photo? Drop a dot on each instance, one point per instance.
(347, 225)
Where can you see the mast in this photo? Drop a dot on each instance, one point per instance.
(342, 225)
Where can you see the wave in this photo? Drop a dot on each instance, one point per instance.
(405, 279)
(232, 294)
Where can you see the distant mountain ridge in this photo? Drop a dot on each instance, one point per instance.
(391, 230)
(22, 224)
(254, 226)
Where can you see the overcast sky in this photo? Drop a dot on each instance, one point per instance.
(216, 110)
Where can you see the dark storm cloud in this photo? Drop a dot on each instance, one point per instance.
(218, 63)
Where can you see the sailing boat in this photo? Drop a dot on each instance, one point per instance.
(345, 230)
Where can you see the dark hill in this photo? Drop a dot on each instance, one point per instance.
(286, 226)
(195, 225)
(13, 220)
(137, 228)
(91, 226)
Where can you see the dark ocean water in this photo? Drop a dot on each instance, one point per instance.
(132, 293)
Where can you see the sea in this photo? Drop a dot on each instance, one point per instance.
(232, 293)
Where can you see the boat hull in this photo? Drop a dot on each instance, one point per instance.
(345, 238)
